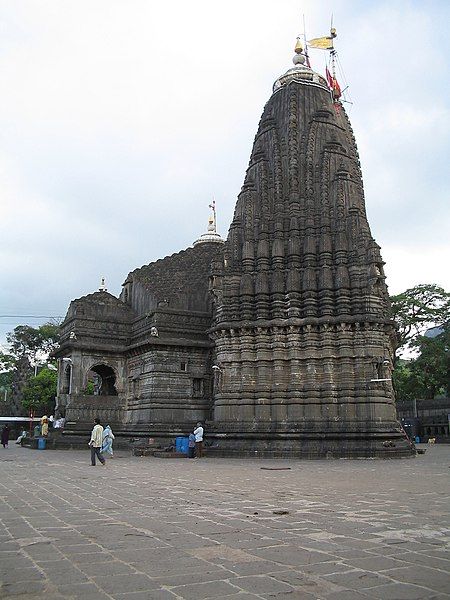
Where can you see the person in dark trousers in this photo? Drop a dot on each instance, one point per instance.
(191, 446)
(198, 432)
(96, 443)
(5, 436)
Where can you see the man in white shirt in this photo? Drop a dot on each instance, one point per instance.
(96, 443)
(198, 432)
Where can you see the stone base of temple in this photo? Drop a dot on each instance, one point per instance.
(389, 443)
(127, 436)
(243, 440)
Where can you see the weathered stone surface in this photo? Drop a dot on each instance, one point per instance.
(302, 331)
(280, 337)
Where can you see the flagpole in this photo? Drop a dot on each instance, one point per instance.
(308, 64)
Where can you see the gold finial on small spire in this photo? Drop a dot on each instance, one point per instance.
(299, 57)
(298, 47)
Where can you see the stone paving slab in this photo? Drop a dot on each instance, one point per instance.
(146, 529)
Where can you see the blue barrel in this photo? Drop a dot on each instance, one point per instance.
(181, 444)
(41, 443)
(417, 440)
(184, 445)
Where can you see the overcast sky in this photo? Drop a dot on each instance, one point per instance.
(120, 120)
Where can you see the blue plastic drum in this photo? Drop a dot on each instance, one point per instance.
(182, 444)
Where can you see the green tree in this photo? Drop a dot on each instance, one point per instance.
(431, 369)
(29, 341)
(39, 393)
(89, 389)
(7, 363)
(403, 380)
(416, 310)
(26, 346)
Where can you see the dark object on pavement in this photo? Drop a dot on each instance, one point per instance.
(275, 468)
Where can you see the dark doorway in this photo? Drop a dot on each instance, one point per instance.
(103, 380)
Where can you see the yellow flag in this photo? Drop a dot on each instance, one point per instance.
(324, 43)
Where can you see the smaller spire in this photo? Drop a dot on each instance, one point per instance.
(211, 234)
(102, 287)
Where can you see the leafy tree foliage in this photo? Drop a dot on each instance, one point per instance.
(32, 345)
(39, 394)
(89, 389)
(417, 309)
(6, 378)
(7, 362)
(431, 369)
(404, 382)
(30, 341)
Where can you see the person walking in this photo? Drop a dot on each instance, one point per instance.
(96, 443)
(198, 432)
(191, 446)
(5, 436)
(107, 446)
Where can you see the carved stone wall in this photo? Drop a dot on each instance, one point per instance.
(282, 335)
(82, 410)
(177, 282)
(168, 384)
(154, 338)
(301, 325)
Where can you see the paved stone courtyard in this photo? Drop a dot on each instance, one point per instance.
(148, 528)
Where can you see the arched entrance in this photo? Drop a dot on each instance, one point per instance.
(102, 379)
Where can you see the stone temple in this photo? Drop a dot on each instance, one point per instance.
(279, 337)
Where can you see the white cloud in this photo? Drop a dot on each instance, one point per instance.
(120, 121)
(408, 267)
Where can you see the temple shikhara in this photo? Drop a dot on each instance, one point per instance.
(277, 338)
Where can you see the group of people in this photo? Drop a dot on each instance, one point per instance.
(41, 429)
(6, 431)
(101, 443)
(195, 443)
(46, 422)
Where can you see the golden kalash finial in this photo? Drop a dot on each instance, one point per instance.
(299, 57)
(298, 47)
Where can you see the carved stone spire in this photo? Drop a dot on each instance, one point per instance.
(301, 319)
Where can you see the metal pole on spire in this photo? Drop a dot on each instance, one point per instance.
(308, 64)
